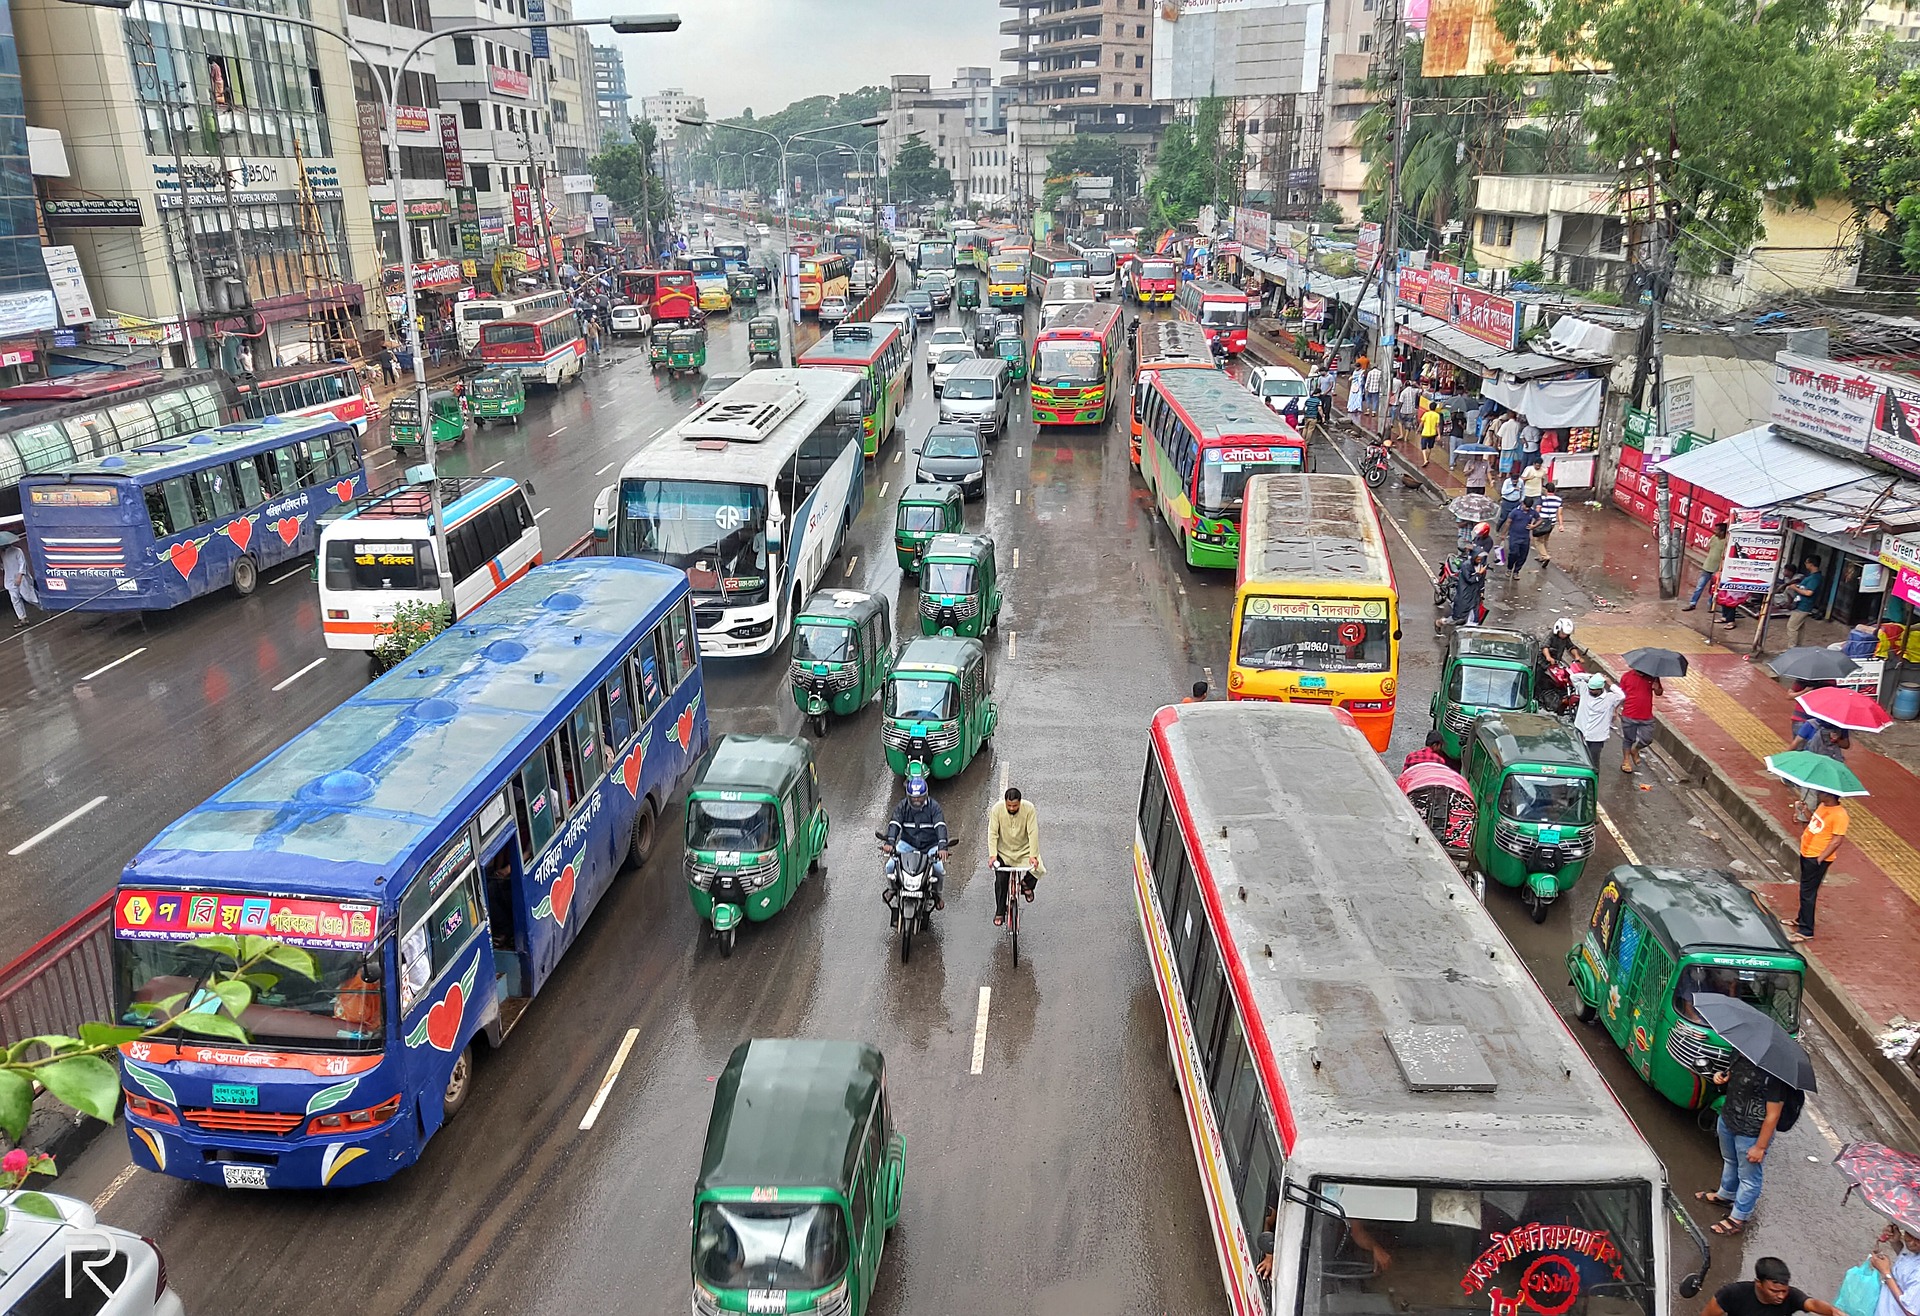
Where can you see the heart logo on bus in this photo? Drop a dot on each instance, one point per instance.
(343, 490)
(240, 531)
(287, 527)
(630, 769)
(185, 555)
(439, 1028)
(683, 725)
(559, 897)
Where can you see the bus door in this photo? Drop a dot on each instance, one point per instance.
(504, 881)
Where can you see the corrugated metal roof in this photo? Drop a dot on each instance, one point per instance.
(1529, 365)
(1863, 508)
(1760, 468)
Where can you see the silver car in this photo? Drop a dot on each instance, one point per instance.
(105, 1270)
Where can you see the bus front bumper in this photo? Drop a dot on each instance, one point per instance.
(739, 633)
(227, 1159)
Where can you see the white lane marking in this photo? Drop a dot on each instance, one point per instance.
(1400, 530)
(297, 675)
(542, 512)
(896, 458)
(123, 658)
(496, 466)
(557, 433)
(604, 469)
(119, 1182)
(883, 487)
(606, 1084)
(1016, 497)
(1013, 639)
(297, 571)
(45, 832)
(980, 1031)
(1019, 450)
(852, 562)
(1606, 821)
(1016, 557)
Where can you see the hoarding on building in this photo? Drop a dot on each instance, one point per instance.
(69, 285)
(1462, 39)
(456, 173)
(1491, 319)
(1236, 48)
(93, 212)
(1253, 227)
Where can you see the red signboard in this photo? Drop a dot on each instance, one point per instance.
(509, 82)
(1367, 245)
(1489, 318)
(1413, 287)
(412, 119)
(159, 915)
(1442, 279)
(523, 234)
(450, 149)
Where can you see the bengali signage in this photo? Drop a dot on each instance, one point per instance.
(373, 154)
(537, 13)
(1442, 279)
(1366, 246)
(419, 208)
(509, 82)
(1413, 286)
(412, 119)
(1753, 551)
(523, 234)
(1491, 319)
(466, 206)
(141, 914)
(456, 173)
(93, 212)
(1825, 400)
(69, 285)
(1252, 227)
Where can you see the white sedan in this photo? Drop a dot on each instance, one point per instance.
(947, 337)
(114, 1273)
(944, 359)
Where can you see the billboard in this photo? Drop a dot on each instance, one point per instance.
(1236, 48)
(1462, 40)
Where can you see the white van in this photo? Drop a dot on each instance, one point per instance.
(380, 554)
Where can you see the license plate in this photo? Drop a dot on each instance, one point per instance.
(236, 1094)
(1313, 683)
(245, 1176)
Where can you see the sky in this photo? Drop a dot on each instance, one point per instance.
(768, 53)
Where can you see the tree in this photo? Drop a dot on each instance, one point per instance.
(1084, 156)
(809, 115)
(1747, 99)
(916, 175)
(1198, 165)
(1881, 155)
(625, 173)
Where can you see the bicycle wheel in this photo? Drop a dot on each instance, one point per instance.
(1013, 914)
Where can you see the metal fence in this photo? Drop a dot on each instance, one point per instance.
(64, 981)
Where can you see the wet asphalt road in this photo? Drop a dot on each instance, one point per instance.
(1058, 1180)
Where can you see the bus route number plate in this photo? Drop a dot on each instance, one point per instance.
(236, 1094)
(245, 1176)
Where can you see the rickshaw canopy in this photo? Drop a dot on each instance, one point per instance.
(790, 1113)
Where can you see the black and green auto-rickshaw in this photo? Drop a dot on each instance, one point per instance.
(938, 708)
(959, 586)
(1013, 350)
(755, 829)
(446, 418)
(1535, 797)
(659, 339)
(763, 338)
(687, 350)
(800, 1181)
(743, 285)
(925, 510)
(967, 295)
(1659, 937)
(497, 395)
(842, 652)
(1487, 670)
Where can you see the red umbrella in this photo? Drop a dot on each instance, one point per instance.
(1845, 708)
(1888, 1180)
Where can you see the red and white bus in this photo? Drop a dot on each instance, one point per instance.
(1369, 1073)
(662, 294)
(1154, 279)
(1070, 378)
(547, 349)
(331, 390)
(1219, 308)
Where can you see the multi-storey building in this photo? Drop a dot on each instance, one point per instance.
(26, 303)
(610, 89)
(664, 110)
(387, 30)
(964, 124)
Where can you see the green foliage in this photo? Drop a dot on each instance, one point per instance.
(1750, 96)
(710, 161)
(1881, 154)
(1529, 271)
(1088, 155)
(412, 625)
(628, 173)
(916, 175)
(1198, 164)
(1329, 212)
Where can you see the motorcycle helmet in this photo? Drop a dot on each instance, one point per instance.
(1482, 531)
(1564, 626)
(916, 785)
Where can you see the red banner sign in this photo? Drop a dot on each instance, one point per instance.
(157, 915)
(1489, 318)
(523, 234)
(450, 148)
(1413, 287)
(412, 119)
(509, 82)
(1442, 279)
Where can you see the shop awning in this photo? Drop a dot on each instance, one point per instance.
(1550, 403)
(1759, 468)
(1853, 516)
(1462, 349)
(1528, 365)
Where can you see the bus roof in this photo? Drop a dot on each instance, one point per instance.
(190, 451)
(88, 384)
(1081, 320)
(788, 403)
(1317, 527)
(857, 343)
(1214, 288)
(460, 497)
(1172, 342)
(1398, 1029)
(1218, 406)
(343, 806)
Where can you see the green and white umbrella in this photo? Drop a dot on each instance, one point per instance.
(1815, 772)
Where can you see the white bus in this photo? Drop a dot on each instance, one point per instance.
(751, 495)
(852, 219)
(1102, 264)
(379, 553)
(469, 316)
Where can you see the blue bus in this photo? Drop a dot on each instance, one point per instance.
(435, 845)
(170, 520)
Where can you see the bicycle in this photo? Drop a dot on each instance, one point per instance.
(1005, 875)
(1373, 466)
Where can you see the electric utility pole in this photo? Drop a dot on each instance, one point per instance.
(1392, 29)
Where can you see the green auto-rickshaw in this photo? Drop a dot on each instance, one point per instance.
(1535, 797)
(842, 651)
(1487, 670)
(763, 338)
(1013, 350)
(959, 587)
(1657, 938)
(687, 350)
(967, 295)
(744, 286)
(938, 709)
(925, 510)
(800, 1181)
(497, 395)
(659, 339)
(447, 419)
(755, 829)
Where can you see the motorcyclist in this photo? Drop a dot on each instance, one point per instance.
(919, 821)
(1560, 642)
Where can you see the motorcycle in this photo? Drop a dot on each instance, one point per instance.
(1558, 689)
(909, 889)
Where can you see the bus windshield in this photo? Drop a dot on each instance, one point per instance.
(1567, 801)
(1313, 635)
(1454, 1245)
(398, 564)
(1223, 315)
(708, 265)
(514, 334)
(1224, 474)
(341, 1010)
(1100, 262)
(483, 311)
(730, 825)
(1072, 362)
(920, 700)
(823, 644)
(1156, 269)
(770, 1245)
(716, 533)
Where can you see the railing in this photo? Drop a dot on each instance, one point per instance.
(65, 980)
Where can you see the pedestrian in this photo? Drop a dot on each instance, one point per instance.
(1356, 395)
(1433, 751)
(1509, 431)
(1329, 380)
(1429, 432)
(1548, 505)
(1805, 595)
(1825, 833)
(386, 366)
(1469, 587)
(1636, 716)
(1373, 390)
(1899, 1273)
(593, 337)
(1593, 719)
(18, 574)
(1479, 471)
(1511, 492)
(1529, 444)
(1710, 569)
(1199, 695)
(1767, 1294)
(1729, 604)
(1748, 1117)
(1520, 537)
(1310, 408)
(1409, 402)
(1532, 481)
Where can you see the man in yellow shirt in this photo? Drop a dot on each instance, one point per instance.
(1013, 841)
(1819, 843)
(1429, 431)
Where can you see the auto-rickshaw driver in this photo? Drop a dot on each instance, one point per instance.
(919, 821)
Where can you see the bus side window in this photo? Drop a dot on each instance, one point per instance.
(158, 512)
(1231, 1054)
(200, 497)
(1153, 802)
(346, 456)
(1236, 1130)
(593, 751)
(680, 628)
(1188, 922)
(286, 467)
(522, 516)
(266, 474)
(1260, 1187)
(560, 749)
(1168, 857)
(649, 671)
(304, 473)
(616, 710)
(535, 804)
(461, 549)
(249, 478)
(1203, 992)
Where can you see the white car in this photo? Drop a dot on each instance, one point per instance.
(944, 359)
(764, 231)
(113, 1272)
(1280, 387)
(628, 319)
(833, 310)
(948, 337)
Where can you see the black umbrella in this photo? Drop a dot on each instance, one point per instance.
(1657, 663)
(1811, 663)
(1758, 1037)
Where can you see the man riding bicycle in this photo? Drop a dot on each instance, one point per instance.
(919, 821)
(1013, 841)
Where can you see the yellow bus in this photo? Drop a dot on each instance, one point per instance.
(1316, 617)
(1007, 280)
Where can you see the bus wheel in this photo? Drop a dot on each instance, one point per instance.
(641, 847)
(246, 576)
(459, 1085)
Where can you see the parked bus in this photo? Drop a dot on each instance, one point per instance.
(1071, 373)
(150, 528)
(1154, 278)
(751, 495)
(56, 421)
(1202, 436)
(881, 355)
(662, 294)
(1102, 265)
(1007, 280)
(1163, 345)
(852, 219)
(1219, 308)
(1053, 263)
(469, 316)
(378, 552)
(823, 276)
(329, 390)
(935, 254)
(1316, 615)
(428, 851)
(1369, 1073)
(547, 349)
(710, 277)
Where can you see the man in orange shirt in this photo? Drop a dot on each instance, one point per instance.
(1826, 831)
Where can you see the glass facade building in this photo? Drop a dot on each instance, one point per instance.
(26, 303)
